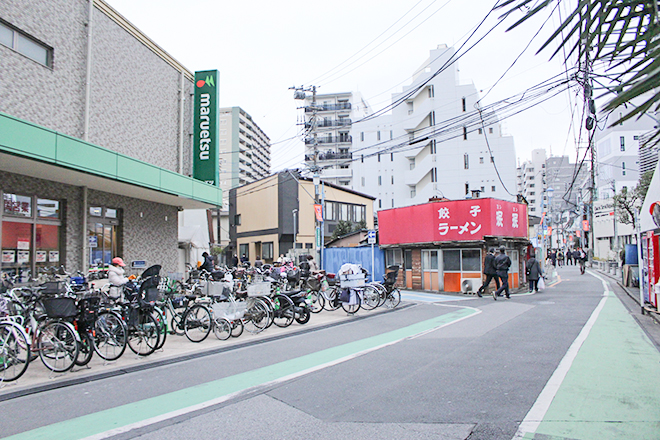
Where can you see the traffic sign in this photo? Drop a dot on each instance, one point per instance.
(371, 237)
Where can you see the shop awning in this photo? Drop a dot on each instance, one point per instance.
(35, 151)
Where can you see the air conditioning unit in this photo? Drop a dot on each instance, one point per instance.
(469, 285)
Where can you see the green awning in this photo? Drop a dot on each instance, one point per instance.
(29, 149)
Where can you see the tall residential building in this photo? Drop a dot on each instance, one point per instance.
(618, 154)
(244, 151)
(531, 181)
(328, 140)
(434, 143)
(648, 154)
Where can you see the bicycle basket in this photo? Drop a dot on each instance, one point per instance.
(89, 307)
(62, 307)
(53, 287)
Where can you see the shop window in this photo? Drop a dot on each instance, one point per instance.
(18, 205)
(451, 260)
(429, 260)
(471, 260)
(393, 257)
(407, 260)
(48, 208)
(96, 211)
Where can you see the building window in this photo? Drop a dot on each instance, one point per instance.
(26, 45)
(362, 158)
(431, 91)
(378, 157)
(481, 160)
(344, 182)
(267, 250)
(490, 130)
(434, 174)
(309, 245)
(622, 139)
(623, 168)
(467, 188)
(362, 181)
(391, 135)
(392, 203)
(433, 147)
(362, 136)
(432, 118)
(481, 131)
(391, 157)
(492, 159)
(492, 188)
(379, 204)
(380, 180)
(532, 193)
(463, 103)
(413, 192)
(412, 163)
(392, 179)
(466, 161)
(483, 189)
(636, 138)
(531, 185)
(244, 250)
(465, 133)
(237, 220)
(378, 135)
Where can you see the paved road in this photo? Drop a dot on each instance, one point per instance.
(571, 362)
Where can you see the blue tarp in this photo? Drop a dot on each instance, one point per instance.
(333, 258)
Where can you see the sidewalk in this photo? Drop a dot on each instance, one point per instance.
(38, 378)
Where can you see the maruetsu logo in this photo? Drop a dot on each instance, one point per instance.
(204, 119)
(208, 81)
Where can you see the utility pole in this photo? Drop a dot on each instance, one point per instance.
(590, 125)
(616, 236)
(299, 93)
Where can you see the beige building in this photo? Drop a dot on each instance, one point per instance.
(275, 215)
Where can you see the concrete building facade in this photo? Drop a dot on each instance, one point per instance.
(94, 143)
(434, 143)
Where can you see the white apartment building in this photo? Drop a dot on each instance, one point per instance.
(617, 154)
(244, 151)
(328, 139)
(433, 144)
(531, 181)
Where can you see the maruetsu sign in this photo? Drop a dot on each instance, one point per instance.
(205, 141)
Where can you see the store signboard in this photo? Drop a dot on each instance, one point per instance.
(206, 161)
(458, 220)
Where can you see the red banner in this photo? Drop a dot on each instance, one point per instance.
(458, 220)
(319, 212)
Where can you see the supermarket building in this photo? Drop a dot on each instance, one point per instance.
(95, 145)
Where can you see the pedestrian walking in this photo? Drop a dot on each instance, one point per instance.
(569, 257)
(560, 257)
(534, 272)
(489, 271)
(553, 257)
(502, 264)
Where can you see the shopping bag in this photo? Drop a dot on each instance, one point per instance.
(541, 284)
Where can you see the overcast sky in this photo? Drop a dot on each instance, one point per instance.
(261, 48)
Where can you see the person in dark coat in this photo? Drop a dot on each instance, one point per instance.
(569, 257)
(207, 264)
(534, 272)
(234, 261)
(489, 271)
(502, 264)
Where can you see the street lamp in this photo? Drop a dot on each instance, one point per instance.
(550, 192)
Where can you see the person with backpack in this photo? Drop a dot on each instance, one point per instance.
(534, 272)
(502, 264)
(489, 271)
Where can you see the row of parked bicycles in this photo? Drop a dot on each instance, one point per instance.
(64, 322)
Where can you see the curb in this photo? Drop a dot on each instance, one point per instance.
(634, 297)
(181, 358)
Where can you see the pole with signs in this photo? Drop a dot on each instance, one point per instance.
(206, 160)
(371, 239)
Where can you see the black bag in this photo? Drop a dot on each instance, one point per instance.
(345, 295)
(63, 307)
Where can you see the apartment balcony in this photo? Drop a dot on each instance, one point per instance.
(330, 140)
(330, 123)
(329, 155)
(334, 173)
(328, 107)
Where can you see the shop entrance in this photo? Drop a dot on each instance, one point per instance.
(103, 236)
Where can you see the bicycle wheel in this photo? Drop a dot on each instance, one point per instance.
(393, 298)
(332, 297)
(110, 336)
(236, 328)
(143, 337)
(222, 329)
(283, 311)
(57, 346)
(197, 323)
(256, 317)
(370, 297)
(159, 316)
(303, 315)
(176, 324)
(85, 349)
(351, 308)
(14, 353)
(317, 301)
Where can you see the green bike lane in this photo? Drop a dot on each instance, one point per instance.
(124, 418)
(607, 390)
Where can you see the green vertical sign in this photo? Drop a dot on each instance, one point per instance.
(205, 140)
